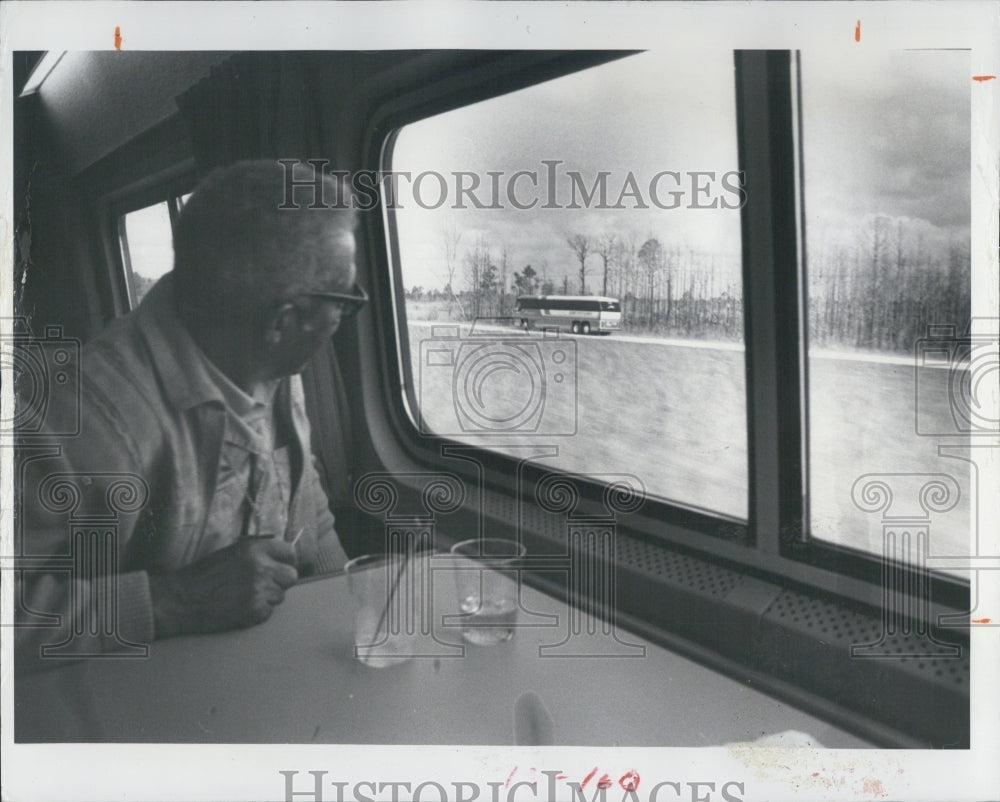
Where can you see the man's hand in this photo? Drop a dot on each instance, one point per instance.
(237, 586)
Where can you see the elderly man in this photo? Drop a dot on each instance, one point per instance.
(193, 402)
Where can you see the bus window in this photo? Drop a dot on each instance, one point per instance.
(581, 186)
(888, 270)
(147, 246)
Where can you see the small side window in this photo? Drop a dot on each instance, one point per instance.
(147, 247)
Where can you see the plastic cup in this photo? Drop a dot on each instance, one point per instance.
(380, 608)
(487, 584)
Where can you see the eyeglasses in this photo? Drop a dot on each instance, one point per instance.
(351, 303)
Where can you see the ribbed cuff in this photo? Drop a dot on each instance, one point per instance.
(135, 611)
(330, 556)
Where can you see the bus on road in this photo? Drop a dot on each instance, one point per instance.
(581, 314)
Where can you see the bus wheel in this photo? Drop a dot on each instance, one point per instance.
(576, 327)
(585, 327)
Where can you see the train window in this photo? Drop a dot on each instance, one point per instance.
(609, 182)
(887, 187)
(147, 247)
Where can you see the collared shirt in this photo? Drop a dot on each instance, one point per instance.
(150, 445)
(254, 484)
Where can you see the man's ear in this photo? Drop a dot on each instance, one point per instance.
(282, 323)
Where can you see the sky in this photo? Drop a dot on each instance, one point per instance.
(886, 134)
(620, 117)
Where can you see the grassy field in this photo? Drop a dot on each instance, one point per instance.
(674, 415)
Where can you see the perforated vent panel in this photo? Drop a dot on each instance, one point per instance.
(836, 626)
(833, 622)
(634, 554)
(678, 569)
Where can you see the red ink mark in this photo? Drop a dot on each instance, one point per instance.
(630, 782)
(560, 776)
(118, 38)
(815, 774)
(510, 777)
(857, 32)
(874, 787)
(982, 78)
(604, 782)
(981, 620)
(588, 778)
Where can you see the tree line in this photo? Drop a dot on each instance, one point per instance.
(878, 291)
(883, 290)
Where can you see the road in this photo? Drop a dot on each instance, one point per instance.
(673, 413)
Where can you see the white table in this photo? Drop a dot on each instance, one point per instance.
(294, 679)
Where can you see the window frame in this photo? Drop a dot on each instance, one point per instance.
(177, 177)
(400, 109)
(769, 81)
(773, 542)
(124, 252)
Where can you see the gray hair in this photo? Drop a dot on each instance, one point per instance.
(237, 252)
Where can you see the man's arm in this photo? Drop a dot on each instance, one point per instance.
(237, 586)
(80, 497)
(83, 499)
(319, 550)
(321, 553)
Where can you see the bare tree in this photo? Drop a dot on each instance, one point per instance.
(581, 246)
(502, 278)
(477, 263)
(606, 246)
(879, 241)
(452, 235)
(670, 264)
(650, 260)
(624, 258)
